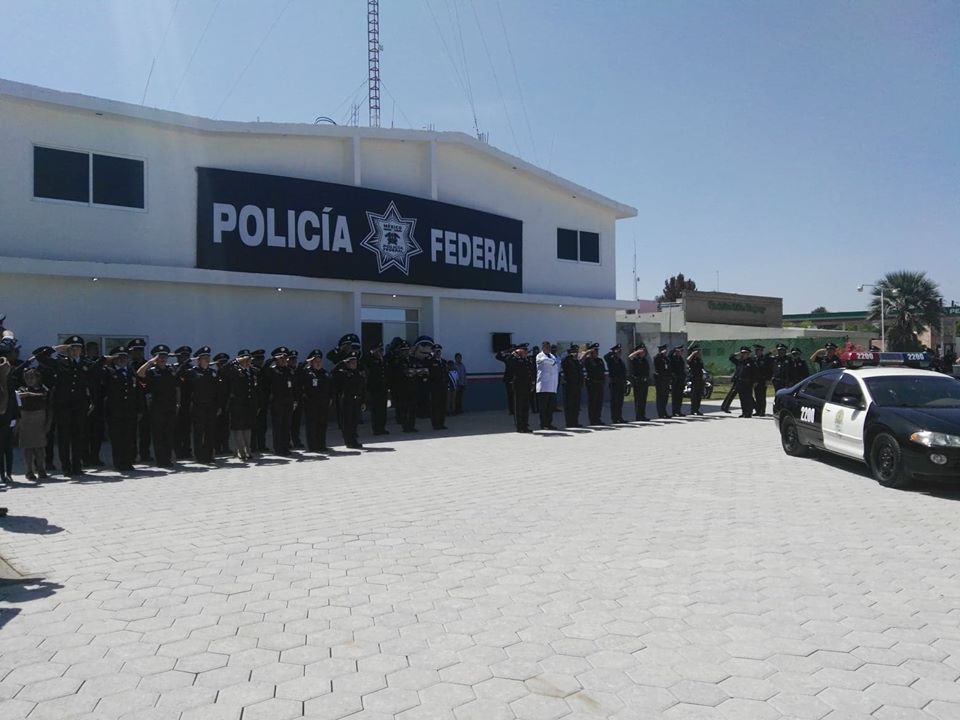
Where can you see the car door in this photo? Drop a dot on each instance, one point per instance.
(844, 414)
(811, 398)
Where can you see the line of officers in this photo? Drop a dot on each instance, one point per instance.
(584, 368)
(754, 371)
(190, 404)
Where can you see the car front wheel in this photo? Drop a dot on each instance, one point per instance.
(790, 438)
(886, 462)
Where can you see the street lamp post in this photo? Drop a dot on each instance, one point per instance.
(883, 311)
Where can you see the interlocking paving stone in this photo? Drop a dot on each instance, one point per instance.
(444, 579)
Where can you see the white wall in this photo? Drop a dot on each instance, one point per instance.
(165, 233)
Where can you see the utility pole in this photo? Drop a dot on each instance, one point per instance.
(373, 61)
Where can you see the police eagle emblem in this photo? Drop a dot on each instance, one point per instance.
(391, 238)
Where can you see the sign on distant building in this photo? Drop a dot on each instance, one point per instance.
(732, 309)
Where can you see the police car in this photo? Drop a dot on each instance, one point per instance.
(902, 421)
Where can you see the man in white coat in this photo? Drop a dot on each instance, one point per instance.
(548, 377)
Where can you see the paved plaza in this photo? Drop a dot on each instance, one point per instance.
(682, 569)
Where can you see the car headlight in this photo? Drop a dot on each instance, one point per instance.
(935, 439)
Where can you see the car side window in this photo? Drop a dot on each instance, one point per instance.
(819, 385)
(847, 392)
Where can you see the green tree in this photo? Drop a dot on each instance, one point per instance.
(912, 303)
(819, 310)
(673, 288)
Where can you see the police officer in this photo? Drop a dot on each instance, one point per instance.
(222, 446)
(661, 379)
(827, 358)
(678, 379)
(695, 366)
(746, 379)
(137, 349)
(182, 445)
(798, 367)
(71, 402)
(277, 377)
(618, 383)
(95, 419)
(348, 381)
(163, 389)
(121, 393)
(640, 374)
(507, 379)
(439, 387)
(202, 382)
(764, 373)
(781, 368)
(348, 344)
(258, 439)
(314, 393)
(296, 418)
(409, 374)
(375, 371)
(572, 370)
(241, 379)
(521, 378)
(596, 375)
(734, 381)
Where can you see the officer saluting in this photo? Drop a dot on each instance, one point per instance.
(121, 395)
(572, 370)
(375, 370)
(764, 373)
(746, 378)
(202, 382)
(137, 350)
(182, 445)
(827, 358)
(258, 439)
(781, 368)
(695, 365)
(521, 378)
(348, 381)
(596, 373)
(240, 378)
(163, 392)
(661, 376)
(315, 391)
(222, 445)
(439, 386)
(71, 401)
(678, 379)
(640, 372)
(618, 383)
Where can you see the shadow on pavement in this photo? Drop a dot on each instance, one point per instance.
(29, 525)
(21, 591)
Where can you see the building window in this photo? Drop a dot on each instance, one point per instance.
(88, 178)
(578, 245)
(61, 174)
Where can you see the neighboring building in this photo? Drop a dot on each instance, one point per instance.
(120, 221)
(941, 337)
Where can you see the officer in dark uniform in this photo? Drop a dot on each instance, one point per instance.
(375, 371)
(764, 373)
(520, 377)
(277, 378)
(695, 366)
(640, 374)
(95, 420)
(314, 394)
(798, 367)
(296, 418)
(734, 382)
(781, 368)
(182, 445)
(240, 378)
(661, 378)
(121, 394)
(746, 379)
(618, 383)
(137, 350)
(347, 345)
(71, 402)
(348, 380)
(571, 370)
(507, 378)
(532, 362)
(222, 446)
(394, 361)
(408, 375)
(48, 378)
(827, 358)
(202, 382)
(596, 375)
(678, 379)
(258, 439)
(439, 380)
(163, 389)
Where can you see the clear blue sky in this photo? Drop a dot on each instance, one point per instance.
(798, 148)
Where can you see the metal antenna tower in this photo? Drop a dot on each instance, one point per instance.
(373, 60)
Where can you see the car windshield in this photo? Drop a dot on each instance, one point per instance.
(920, 391)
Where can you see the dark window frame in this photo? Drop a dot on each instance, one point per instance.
(570, 236)
(575, 240)
(590, 236)
(89, 202)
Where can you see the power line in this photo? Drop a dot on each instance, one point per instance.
(156, 55)
(450, 58)
(253, 57)
(516, 77)
(194, 53)
(496, 78)
(455, 16)
(396, 104)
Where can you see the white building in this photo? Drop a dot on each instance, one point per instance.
(119, 221)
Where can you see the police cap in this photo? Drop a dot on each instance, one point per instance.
(830, 346)
(573, 348)
(315, 353)
(243, 353)
(219, 357)
(118, 351)
(185, 350)
(137, 343)
(661, 347)
(781, 346)
(74, 341)
(259, 352)
(795, 351)
(349, 338)
(160, 350)
(616, 347)
(280, 352)
(43, 351)
(744, 349)
(757, 346)
(201, 351)
(425, 340)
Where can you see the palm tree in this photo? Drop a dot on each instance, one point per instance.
(912, 305)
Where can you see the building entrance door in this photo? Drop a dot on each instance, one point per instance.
(383, 324)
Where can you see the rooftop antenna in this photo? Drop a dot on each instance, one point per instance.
(373, 60)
